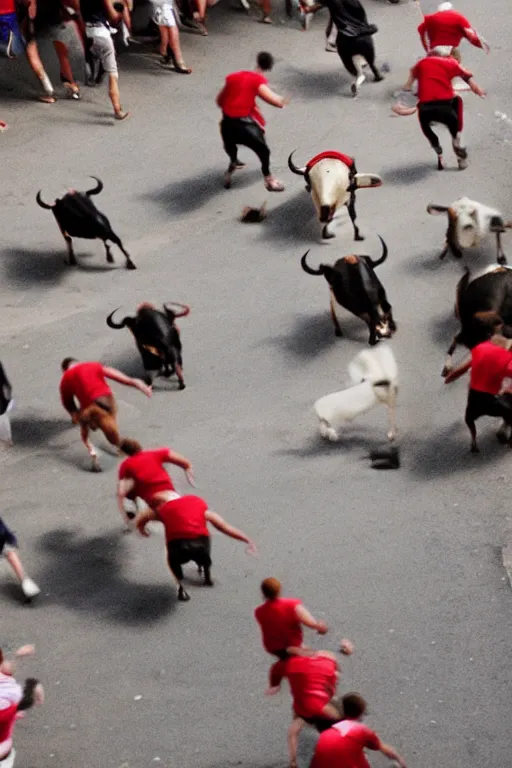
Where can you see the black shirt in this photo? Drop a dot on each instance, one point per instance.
(349, 17)
(93, 11)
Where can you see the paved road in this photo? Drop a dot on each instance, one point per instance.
(406, 563)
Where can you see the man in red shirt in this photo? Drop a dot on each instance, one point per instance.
(243, 123)
(313, 680)
(343, 745)
(142, 476)
(185, 520)
(491, 366)
(445, 29)
(438, 102)
(281, 620)
(86, 383)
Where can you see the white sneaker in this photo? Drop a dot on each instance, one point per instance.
(29, 588)
(331, 47)
(245, 4)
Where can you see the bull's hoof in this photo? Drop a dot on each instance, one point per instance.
(182, 385)
(110, 258)
(208, 582)
(475, 448)
(372, 341)
(130, 265)
(445, 372)
(358, 237)
(502, 259)
(183, 595)
(326, 235)
(502, 437)
(337, 332)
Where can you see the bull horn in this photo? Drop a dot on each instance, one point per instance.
(384, 254)
(97, 189)
(41, 202)
(185, 309)
(305, 266)
(434, 209)
(293, 168)
(367, 180)
(122, 324)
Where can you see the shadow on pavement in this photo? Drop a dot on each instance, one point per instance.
(30, 431)
(84, 574)
(408, 174)
(446, 452)
(23, 267)
(311, 335)
(192, 193)
(443, 329)
(292, 221)
(313, 85)
(363, 441)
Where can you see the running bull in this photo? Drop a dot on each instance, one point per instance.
(332, 180)
(488, 293)
(157, 339)
(355, 286)
(77, 216)
(469, 222)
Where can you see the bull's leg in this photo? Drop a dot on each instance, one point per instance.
(117, 241)
(470, 422)
(337, 329)
(326, 233)
(179, 374)
(69, 243)
(445, 250)
(148, 377)
(110, 258)
(351, 207)
(392, 413)
(502, 259)
(504, 433)
(387, 308)
(448, 365)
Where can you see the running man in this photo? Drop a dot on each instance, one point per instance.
(86, 383)
(185, 520)
(8, 547)
(97, 16)
(14, 700)
(55, 20)
(445, 29)
(313, 680)
(438, 102)
(343, 745)
(242, 122)
(142, 476)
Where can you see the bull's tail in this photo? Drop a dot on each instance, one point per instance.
(461, 287)
(305, 266)
(384, 254)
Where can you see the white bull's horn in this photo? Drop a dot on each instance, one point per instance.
(294, 168)
(435, 209)
(365, 180)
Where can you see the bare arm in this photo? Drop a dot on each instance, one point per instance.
(121, 378)
(408, 85)
(476, 88)
(392, 754)
(142, 519)
(114, 16)
(218, 522)
(265, 93)
(293, 737)
(308, 620)
(181, 461)
(312, 8)
(458, 372)
(123, 489)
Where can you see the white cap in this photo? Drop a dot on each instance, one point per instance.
(445, 7)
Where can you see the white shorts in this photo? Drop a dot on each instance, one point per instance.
(102, 47)
(163, 15)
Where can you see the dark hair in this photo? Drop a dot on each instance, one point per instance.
(67, 362)
(270, 588)
(265, 61)
(354, 705)
(483, 326)
(130, 447)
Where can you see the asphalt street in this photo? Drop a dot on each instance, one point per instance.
(405, 563)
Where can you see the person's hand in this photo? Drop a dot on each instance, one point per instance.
(346, 647)
(25, 650)
(251, 549)
(286, 100)
(322, 628)
(39, 695)
(190, 477)
(273, 690)
(143, 387)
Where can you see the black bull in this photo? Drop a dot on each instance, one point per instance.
(355, 286)
(77, 216)
(157, 338)
(5, 391)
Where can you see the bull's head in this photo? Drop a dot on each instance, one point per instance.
(94, 191)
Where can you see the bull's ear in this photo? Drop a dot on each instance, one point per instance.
(435, 209)
(365, 180)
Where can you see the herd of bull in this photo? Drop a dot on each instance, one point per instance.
(332, 181)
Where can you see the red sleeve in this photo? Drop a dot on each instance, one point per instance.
(371, 740)
(422, 31)
(163, 454)
(415, 71)
(277, 672)
(459, 71)
(123, 470)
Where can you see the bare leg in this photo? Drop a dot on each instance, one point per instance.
(37, 67)
(174, 44)
(15, 563)
(164, 41)
(293, 737)
(66, 73)
(113, 92)
(91, 450)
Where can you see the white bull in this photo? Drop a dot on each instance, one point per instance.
(375, 376)
(469, 222)
(332, 182)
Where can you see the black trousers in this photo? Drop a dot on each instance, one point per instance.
(348, 47)
(244, 131)
(448, 112)
(181, 551)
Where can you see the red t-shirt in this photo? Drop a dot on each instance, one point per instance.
(86, 382)
(434, 75)
(444, 28)
(342, 746)
(489, 365)
(7, 6)
(239, 95)
(312, 682)
(280, 627)
(184, 518)
(147, 471)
